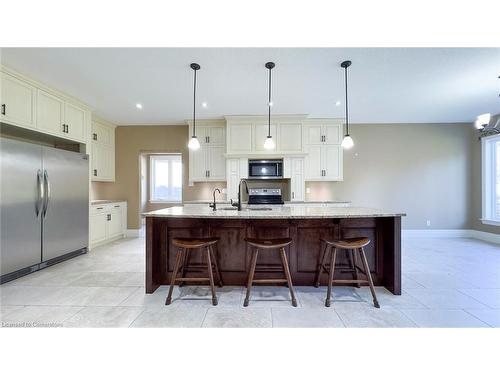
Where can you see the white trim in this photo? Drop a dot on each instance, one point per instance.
(485, 236)
(451, 233)
(490, 222)
(436, 233)
(132, 232)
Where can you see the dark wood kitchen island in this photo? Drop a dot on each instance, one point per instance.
(304, 224)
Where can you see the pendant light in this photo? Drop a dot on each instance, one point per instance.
(347, 142)
(194, 144)
(269, 143)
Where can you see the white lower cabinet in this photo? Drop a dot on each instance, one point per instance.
(98, 227)
(108, 222)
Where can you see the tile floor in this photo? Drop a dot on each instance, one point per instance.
(446, 283)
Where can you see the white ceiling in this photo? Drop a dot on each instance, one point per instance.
(387, 85)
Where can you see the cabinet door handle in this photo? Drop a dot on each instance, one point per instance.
(100, 208)
(4, 109)
(117, 206)
(208, 139)
(67, 128)
(95, 172)
(208, 173)
(94, 136)
(293, 195)
(109, 217)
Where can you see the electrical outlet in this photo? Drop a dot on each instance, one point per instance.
(308, 190)
(428, 223)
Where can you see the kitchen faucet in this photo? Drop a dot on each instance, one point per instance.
(238, 204)
(213, 205)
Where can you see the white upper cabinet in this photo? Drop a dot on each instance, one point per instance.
(17, 102)
(313, 168)
(29, 104)
(290, 137)
(332, 134)
(216, 163)
(324, 160)
(74, 119)
(103, 134)
(57, 117)
(246, 135)
(331, 160)
(208, 163)
(240, 138)
(313, 134)
(103, 151)
(50, 113)
(216, 135)
(237, 169)
(297, 180)
(261, 133)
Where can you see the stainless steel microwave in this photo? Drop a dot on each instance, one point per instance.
(265, 169)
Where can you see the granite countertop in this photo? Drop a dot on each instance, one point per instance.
(105, 201)
(290, 212)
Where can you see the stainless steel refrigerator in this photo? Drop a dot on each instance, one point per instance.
(44, 207)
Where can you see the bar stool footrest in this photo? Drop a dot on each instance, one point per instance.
(269, 281)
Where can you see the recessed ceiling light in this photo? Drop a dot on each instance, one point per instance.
(204, 104)
(337, 103)
(138, 106)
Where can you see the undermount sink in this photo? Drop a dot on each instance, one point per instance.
(246, 209)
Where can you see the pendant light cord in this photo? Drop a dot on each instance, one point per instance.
(269, 107)
(194, 105)
(346, 105)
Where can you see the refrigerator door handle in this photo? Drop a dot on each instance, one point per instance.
(47, 191)
(40, 192)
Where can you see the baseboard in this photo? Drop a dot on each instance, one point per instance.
(485, 236)
(451, 233)
(437, 233)
(132, 233)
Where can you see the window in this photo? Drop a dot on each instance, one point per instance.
(491, 179)
(166, 178)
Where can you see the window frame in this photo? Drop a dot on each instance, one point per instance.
(170, 157)
(488, 180)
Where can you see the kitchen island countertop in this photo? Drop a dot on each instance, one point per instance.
(274, 212)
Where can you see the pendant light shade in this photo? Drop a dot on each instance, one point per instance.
(269, 143)
(194, 144)
(347, 142)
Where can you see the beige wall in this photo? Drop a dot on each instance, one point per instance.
(476, 211)
(130, 143)
(421, 169)
(424, 170)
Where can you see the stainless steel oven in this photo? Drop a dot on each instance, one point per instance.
(265, 169)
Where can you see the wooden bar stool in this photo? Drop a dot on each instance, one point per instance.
(269, 244)
(185, 245)
(351, 245)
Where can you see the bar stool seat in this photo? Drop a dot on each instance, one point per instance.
(351, 245)
(269, 244)
(194, 243)
(185, 245)
(272, 243)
